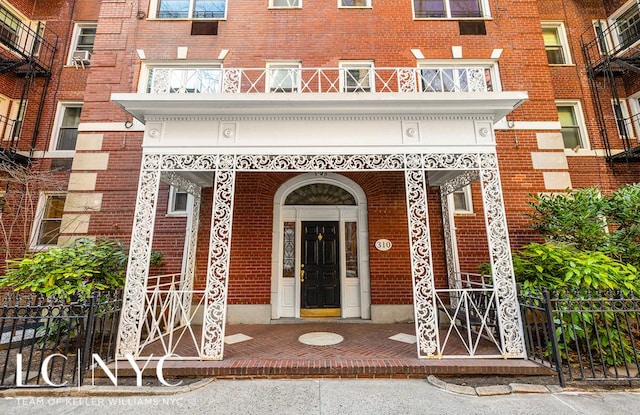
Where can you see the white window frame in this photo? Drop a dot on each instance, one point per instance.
(366, 4)
(603, 37)
(612, 19)
(145, 72)
(37, 221)
(293, 66)
(77, 31)
(624, 111)
(484, 5)
(468, 200)
(496, 84)
(154, 9)
(582, 126)
(55, 132)
(634, 107)
(345, 66)
(290, 5)
(10, 119)
(564, 41)
(171, 205)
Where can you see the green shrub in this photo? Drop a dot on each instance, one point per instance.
(76, 270)
(558, 266)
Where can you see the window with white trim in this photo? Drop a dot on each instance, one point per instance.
(623, 120)
(178, 200)
(626, 24)
(450, 9)
(66, 126)
(285, 4)
(11, 116)
(462, 202)
(283, 77)
(574, 131)
(603, 36)
(357, 76)
(354, 3)
(163, 79)
(189, 9)
(9, 27)
(46, 224)
(463, 77)
(81, 48)
(556, 43)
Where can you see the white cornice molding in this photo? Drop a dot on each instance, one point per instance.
(494, 105)
(302, 117)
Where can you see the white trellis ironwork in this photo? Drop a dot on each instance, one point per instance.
(224, 168)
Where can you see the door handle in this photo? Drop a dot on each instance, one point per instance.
(301, 275)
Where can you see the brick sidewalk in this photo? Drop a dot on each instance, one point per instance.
(366, 351)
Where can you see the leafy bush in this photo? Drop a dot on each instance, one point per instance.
(76, 270)
(574, 275)
(558, 266)
(590, 221)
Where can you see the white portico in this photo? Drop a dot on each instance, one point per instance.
(203, 139)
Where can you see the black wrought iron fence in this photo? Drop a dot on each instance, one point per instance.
(583, 335)
(50, 342)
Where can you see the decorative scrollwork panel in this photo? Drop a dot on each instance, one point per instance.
(501, 262)
(139, 257)
(421, 269)
(218, 269)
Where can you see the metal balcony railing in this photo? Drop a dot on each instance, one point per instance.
(207, 80)
(610, 42)
(22, 45)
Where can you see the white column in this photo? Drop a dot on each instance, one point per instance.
(215, 310)
(133, 303)
(501, 263)
(424, 304)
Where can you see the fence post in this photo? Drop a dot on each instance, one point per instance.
(88, 338)
(548, 310)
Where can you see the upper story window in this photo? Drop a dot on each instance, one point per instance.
(183, 79)
(66, 130)
(555, 43)
(189, 9)
(285, 3)
(450, 9)
(357, 76)
(9, 27)
(354, 3)
(84, 36)
(458, 78)
(283, 77)
(574, 131)
(627, 25)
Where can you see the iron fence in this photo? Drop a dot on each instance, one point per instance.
(50, 341)
(583, 335)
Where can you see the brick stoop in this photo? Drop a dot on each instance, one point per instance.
(366, 352)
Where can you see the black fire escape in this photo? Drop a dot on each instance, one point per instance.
(612, 57)
(26, 59)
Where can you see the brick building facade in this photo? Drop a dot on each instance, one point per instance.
(262, 145)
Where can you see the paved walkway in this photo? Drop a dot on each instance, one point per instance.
(327, 397)
(274, 350)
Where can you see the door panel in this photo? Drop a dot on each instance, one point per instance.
(320, 273)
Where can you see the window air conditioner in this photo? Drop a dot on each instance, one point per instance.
(81, 57)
